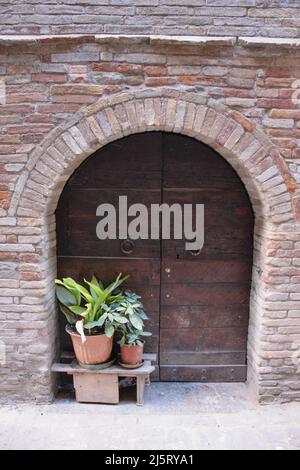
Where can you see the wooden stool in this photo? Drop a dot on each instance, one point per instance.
(102, 386)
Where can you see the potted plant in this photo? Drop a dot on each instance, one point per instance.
(91, 321)
(131, 331)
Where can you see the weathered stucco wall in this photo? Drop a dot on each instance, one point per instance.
(269, 18)
(67, 97)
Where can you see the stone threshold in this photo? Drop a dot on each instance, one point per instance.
(152, 39)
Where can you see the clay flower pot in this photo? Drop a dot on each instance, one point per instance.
(131, 355)
(95, 350)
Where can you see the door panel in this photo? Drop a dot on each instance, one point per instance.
(130, 167)
(205, 298)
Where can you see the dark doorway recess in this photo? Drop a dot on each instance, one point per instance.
(198, 303)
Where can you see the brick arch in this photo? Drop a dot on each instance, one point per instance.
(251, 154)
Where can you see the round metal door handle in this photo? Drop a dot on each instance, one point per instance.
(127, 247)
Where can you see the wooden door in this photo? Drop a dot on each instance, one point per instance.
(132, 167)
(198, 305)
(205, 296)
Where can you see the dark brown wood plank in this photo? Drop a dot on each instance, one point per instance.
(195, 358)
(203, 339)
(222, 373)
(212, 270)
(205, 316)
(204, 294)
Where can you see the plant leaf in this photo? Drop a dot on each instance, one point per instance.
(97, 282)
(65, 297)
(92, 324)
(73, 287)
(77, 309)
(71, 318)
(120, 319)
(109, 330)
(95, 288)
(136, 322)
(113, 286)
(85, 293)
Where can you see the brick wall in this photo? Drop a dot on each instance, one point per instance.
(66, 97)
(269, 18)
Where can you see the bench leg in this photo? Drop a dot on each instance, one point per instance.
(140, 387)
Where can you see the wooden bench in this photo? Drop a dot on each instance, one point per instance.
(102, 386)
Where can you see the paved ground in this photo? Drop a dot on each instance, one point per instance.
(175, 416)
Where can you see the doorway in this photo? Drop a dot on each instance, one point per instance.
(198, 302)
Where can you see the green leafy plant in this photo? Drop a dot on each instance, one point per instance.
(131, 308)
(88, 308)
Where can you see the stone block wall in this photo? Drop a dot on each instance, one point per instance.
(270, 18)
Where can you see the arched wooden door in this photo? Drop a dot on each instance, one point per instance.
(198, 305)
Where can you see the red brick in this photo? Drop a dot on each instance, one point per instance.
(160, 81)
(275, 103)
(296, 153)
(31, 276)
(284, 170)
(58, 108)
(286, 92)
(9, 139)
(285, 113)
(285, 143)
(23, 129)
(226, 132)
(278, 72)
(11, 239)
(201, 79)
(9, 256)
(49, 77)
(18, 69)
(39, 118)
(156, 70)
(26, 98)
(278, 82)
(32, 138)
(18, 109)
(29, 257)
(125, 68)
(241, 119)
(112, 89)
(84, 99)
(284, 132)
(4, 199)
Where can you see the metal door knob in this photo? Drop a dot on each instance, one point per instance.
(127, 247)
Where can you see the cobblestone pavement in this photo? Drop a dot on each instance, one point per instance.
(175, 416)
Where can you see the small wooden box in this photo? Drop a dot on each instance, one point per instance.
(96, 388)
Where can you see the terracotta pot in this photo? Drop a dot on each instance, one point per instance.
(132, 355)
(95, 350)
